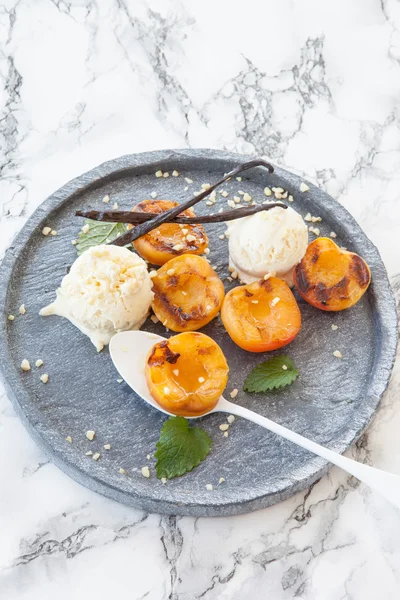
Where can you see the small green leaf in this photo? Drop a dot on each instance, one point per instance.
(98, 233)
(271, 374)
(180, 448)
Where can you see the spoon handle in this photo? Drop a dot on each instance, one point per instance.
(387, 484)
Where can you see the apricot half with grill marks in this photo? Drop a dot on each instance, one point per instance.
(330, 278)
(170, 239)
(187, 293)
(186, 374)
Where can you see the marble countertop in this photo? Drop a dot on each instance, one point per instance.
(315, 87)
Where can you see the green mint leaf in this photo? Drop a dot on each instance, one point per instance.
(99, 233)
(180, 448)
(271, 375)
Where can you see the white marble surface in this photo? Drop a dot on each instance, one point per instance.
(313, 85)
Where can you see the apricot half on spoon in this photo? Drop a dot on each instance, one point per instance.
(261, 316)
(170, 239)
(330, 278)
(187, 293)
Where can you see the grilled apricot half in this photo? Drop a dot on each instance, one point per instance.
(187, 293)
(186, 374)
(330, 278)
(261, 316)
(170, 239)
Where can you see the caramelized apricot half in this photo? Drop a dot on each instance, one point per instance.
(330, 278)
(261, 316)
(187, 293)
(170, 239)
(186, 374)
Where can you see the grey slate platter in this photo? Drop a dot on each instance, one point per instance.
(331, 402)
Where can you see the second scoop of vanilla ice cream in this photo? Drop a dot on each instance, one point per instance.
(268, 242)
(108, 289)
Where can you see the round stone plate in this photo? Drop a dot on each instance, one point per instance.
(331, 402)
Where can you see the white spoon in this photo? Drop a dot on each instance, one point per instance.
(128, 351)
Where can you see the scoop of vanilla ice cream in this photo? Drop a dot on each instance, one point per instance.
(268, 242)
(108, 289)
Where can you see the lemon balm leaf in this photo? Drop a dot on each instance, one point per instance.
(180, 448)
(275, 373)
(98, 233)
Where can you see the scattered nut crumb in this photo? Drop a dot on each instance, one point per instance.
(238, 179)
(96, 456)
(148, 457)
(205, 186)
(74, 242)
(254, 301)
(312, 219)
(153, 194)
(338, 354)
(11, 317)
(159, 173)
(234, 393)
(186, 188)
(290, 198)
(25, 366)
(85, 228)
(176, 372)
(334, 327)
(120, 380)
(53, 232)
(201, 380)
(314, 230)
(222, 236)
(224, 426)
(184, 231)
(164, 480)
(284, 367)
(224, 194)
(231, 204)
(89, 453)
(69, 439)
(154, 319)
(234, 275)
(171, 272)
(230, 419)
(275, 301)
(183, 293)
(209, 487)
(333, 234)
(188, 180)
(115, 206)
(38, 363)
(22, 309)
(190, 238)
(221, 480)
(121, 471)
(90, 434)
(46, 230)
(236, 200)
(207, 251)
(209, 203)
(107, 446)
(226, 433)
(44, 378)
(175, 173)
(177, 247)
(166, 390)
(146, 471)
(152, 274)
(304, 187)
(106, 199)
(247, 197)
(267, 191)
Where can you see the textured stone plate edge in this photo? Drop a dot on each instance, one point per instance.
(384, 314)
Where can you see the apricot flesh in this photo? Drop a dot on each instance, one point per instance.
(261, 316)
(330, 278)
(170, 239)
(187, 293)
(186, 374)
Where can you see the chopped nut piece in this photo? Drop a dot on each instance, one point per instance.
(234, 275)
(238, 179)
(275, 301)
(333, 234)
(39, 362)
(148, 456)
(234, 393)
(176, 372)
(164, 480)
(183, 293)
(74, 242)
(175, 173)
(166, 174)
(69, 439)
(146, 471)
(224, 426)
(226, 433)
(231, 204)
(120, 380)
(230, 419)
(291, 199)
(44, 378)
(22, 309)
(115, 206)
(236, 199)
(106, 199)
(224, 194)
(308, 217)
(90, 434)
(11, 317)
(334, 327)
(188, 180)
(312, 219)
(338, 354)
(154, 319)
(159, 173)
(304, 187)
(207, 251)
(53, 232)
(241, 193)
(107, 446)
(209, 487)
(85, 228)
(121, 471)
(90, 453)
(171, 272)
(152, 274)
(222, 236)
(221, 480)
(184, 231)
(25, 366)
(190, 238)
(153, 194)
(284, 367)
(201, 380)
(247, 197)
(254, 301)
(166, 390)
(186, 188)
(267, 191)
(209, 203)
(96, 456)
(314, 230)
(177, 247)
(46, 230)
(205, 186)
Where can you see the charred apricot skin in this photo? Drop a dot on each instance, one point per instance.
(261, 316)
(186, 374)
(330, 278)
(169, 239)
(188, 293)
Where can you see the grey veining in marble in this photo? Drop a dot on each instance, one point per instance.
(316, 87)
